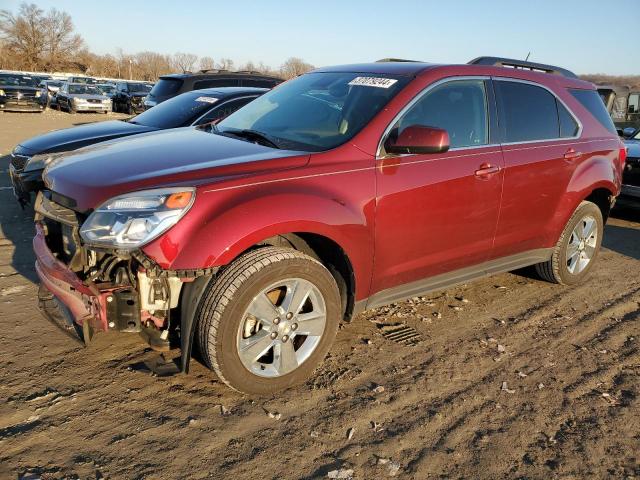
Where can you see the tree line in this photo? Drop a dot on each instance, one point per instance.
(38, 41)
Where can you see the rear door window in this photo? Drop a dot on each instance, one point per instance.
(527, 112)
(592, 102)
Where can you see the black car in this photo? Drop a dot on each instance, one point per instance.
(201, 107)
(129, 96)
(631, 176)
(21, 93)
(169, 86)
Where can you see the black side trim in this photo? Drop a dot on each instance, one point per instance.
(463, 275)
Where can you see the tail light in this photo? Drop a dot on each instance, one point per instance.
(622, 157)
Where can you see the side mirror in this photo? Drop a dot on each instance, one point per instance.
(418, 139)
(628, 132)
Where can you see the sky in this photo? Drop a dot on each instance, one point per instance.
(582, 36)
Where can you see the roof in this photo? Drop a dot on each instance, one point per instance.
(414, 69)
(221, 73)
(408, 68)
(227, 91)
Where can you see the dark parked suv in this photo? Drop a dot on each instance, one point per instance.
(30, 157)
(169, 86)
(257, 237)
(631, 177)
(129, 97)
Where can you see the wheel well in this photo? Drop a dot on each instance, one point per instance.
(602, 198)
(327, 252)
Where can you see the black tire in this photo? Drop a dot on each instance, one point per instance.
(221, 312)
(70, 108)
(130, 110)
(556, 270)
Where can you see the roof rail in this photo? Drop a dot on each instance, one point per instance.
(387, 60)
(212, 70)
(522, 64)
(252, 72)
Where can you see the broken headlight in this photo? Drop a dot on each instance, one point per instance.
(132, 220)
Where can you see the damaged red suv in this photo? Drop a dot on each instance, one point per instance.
(344, 189)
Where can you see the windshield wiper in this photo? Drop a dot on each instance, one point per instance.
(254, 134)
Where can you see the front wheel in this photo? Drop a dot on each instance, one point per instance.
(268, 321)
(577, 249)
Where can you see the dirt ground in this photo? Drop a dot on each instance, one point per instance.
(511, 378)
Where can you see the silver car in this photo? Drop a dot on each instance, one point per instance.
(78, 97)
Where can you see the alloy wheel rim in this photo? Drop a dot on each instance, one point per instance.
(582, 245)
(281, 327)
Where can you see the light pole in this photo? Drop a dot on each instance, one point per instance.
(130, 62)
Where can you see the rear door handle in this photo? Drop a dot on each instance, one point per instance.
(486, 170)
(571, 154)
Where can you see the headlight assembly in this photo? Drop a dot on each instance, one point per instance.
(132, 220)
(38, 162)
(38, 93)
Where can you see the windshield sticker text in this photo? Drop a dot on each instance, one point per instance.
(373, 82)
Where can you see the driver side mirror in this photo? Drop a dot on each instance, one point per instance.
(416, 139)
(628, 132)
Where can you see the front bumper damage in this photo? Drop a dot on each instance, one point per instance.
(85, 291)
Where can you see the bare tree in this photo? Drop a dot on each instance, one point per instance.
(225, 64)
(61, 43)
(184, 61)
(150, 65)
(293, 67)
(23, 33)
(207, 63)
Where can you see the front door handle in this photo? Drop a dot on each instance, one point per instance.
(486, 170)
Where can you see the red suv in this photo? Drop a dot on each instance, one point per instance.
(342, 190)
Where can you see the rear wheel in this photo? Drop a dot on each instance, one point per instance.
(269, 319)
(577, 249)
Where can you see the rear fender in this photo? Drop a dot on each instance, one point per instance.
(596, 172)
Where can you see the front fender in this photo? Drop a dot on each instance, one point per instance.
(226, 222)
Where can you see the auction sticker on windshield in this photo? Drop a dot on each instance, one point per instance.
(373, 82)
(207, 99)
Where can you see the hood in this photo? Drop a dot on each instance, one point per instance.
(182, 156)
(87, 96)
(19, 88)
(633, 148)
(80, 136)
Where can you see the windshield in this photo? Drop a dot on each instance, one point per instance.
(637, 135)
(84, 80)
(54, 84)
(179, 111)
(317, 111)
(139, 87)
(84, 89)
(18, 80)
(166, 87)
(107, 88)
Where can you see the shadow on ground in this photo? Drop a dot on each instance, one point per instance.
(16, 226)
(623, 239)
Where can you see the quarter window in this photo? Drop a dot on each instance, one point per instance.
(458, 106)
(527, 112)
